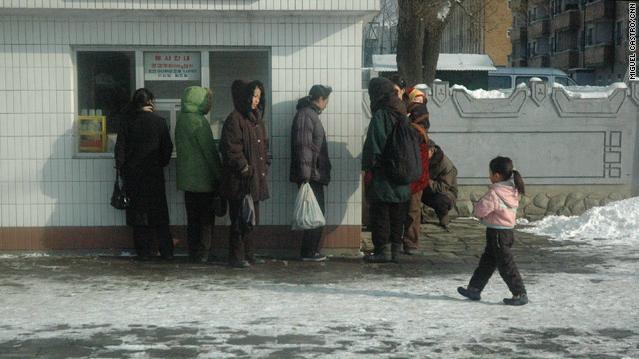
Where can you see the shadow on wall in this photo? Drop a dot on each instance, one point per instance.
(77, 193)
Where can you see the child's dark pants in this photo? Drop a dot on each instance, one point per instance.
(498, 255)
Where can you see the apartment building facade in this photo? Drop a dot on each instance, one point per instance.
(587, 38)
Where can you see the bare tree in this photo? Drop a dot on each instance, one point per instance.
(420, 28)
(419, 33)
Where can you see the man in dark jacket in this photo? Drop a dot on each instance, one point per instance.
(309, 159)
(441, 192)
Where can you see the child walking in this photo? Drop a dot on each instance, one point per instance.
(497, 210)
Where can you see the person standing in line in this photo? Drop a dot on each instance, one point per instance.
(198, 170)
(142, 150)
(388, 211)
(244, 146)
(497, 210)
(310, 162)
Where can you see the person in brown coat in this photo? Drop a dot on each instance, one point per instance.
(244, 147)
(441, 192)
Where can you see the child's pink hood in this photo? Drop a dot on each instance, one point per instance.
(498, 207)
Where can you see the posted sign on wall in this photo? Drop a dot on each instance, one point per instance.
(171, 66)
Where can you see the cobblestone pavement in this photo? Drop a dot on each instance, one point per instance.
(583, 304)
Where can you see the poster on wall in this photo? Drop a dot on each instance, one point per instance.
(171, 66)
(92, 132)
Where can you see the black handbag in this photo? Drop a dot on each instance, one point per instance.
(119, 198)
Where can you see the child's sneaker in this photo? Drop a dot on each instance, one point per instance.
(470, 293)
(517, 300)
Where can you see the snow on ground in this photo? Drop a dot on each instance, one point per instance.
(376, 315)
(481, 93)
(615, 223)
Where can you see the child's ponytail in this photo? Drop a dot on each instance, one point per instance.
(504, 166)
(519, 182)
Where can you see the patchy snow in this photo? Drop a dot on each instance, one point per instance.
(591, 92)
(481, 93)
(380, 315)
(23, 255)
(443, 12)
(617, 222)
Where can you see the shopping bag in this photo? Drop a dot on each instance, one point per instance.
(307, 213)
(248, 213)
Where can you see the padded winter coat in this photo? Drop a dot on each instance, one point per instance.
(198, 161)
(309, 149)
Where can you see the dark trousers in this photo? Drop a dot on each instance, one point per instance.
(387, 221)
(240, 239)
(144, 236)
(440, 202)
(313, 237)
(200, 219)
(498, 255)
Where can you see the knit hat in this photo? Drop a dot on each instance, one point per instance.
(414, 93)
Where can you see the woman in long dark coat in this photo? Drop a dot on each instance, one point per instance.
(244, 147)
(143, 149)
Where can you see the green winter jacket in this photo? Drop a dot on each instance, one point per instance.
(198, 162)
(380, 189)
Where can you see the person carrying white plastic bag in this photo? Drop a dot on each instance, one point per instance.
(310, 161)
(307, 214)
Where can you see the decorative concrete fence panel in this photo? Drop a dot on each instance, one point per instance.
(575, 150)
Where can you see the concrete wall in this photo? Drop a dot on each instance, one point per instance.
(573, 153)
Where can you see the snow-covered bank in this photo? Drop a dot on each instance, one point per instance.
(617, 222)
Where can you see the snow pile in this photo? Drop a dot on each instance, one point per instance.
(481, 93)
(586, 92)
(618, 222)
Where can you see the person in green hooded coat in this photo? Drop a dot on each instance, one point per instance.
(389, 202)
(198, 170)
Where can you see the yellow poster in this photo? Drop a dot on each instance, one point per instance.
(92, 132)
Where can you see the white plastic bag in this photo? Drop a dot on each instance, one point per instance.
(307, 213)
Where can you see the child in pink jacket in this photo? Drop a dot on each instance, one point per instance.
(497, 210)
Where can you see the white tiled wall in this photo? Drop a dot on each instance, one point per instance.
(234, 5)
(41, 184)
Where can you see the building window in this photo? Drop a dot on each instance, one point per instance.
(590, 35)
(499, 82)
(105, 83)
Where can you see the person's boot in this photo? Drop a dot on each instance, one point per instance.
(520, 299)
(315, 257)
(408, 250)
(470, 292)
(444, 222)
(380, 255)
(395, 250)
(239, 264)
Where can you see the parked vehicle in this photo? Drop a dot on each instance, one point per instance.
(511, 77)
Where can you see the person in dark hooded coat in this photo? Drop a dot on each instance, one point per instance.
(244, 146)
(310, 162)
(142, 151)
(388, 211)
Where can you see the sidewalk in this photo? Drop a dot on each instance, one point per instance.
(583, 304)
